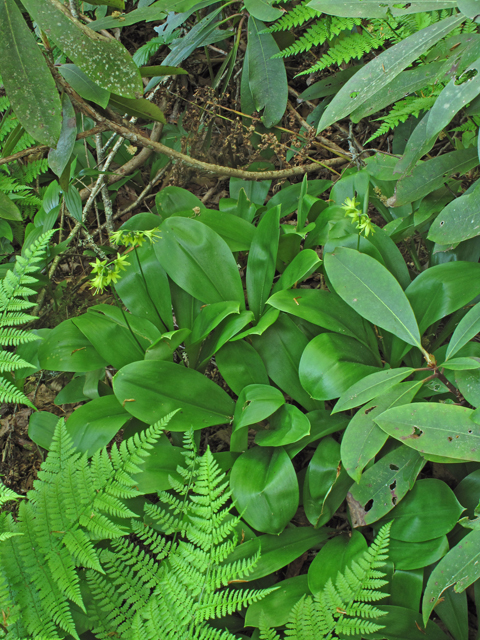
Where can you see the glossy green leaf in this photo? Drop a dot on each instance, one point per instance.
(175, 199)
(144, 288)
(383, 485)
(240, 365)
(439, 429)
(302, 266)
(199, 261)
(459, 568)
(287, 425)
(384, 68)
(210, 317)
(82, 84)
(67, 349)
(331, 363)
(265, 488)
(278, 551)
(467, 328)
(267, 77)
(325, 309)
(73, 202)
(337, 554)
(275, 608)
(58, 158)
(431, 175)
(226, 330)
(161, 70)
(459, 220)
(28, 82)
(461, 364)
(415, 555)
(8, 209)
(41, 426)
(263, 10)
(159, 466)
(468, 383)
(371, 387)
(372, 9)
(453, 612)
(428, 511)
(152, 388)
(255, 403)
(268, 318)
(281, 347)
(104, 60)
(95, 423)
(289, 196)
(116, 4)
(373, 292)
(363, 439)
(164, 347)
(401, 623)
(137, 107)
(325, 480)
(405, 587)
(237, 233)
(322, 423)
(261, 261)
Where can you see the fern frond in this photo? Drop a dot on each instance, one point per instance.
(296, 17)
(10, 393)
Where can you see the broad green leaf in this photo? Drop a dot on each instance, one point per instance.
(459, 220)
(253, 191)
(28, 82)
(439, 429)
(210, 317)
(384, 68)
(275, 608)
(67, 349)
(95, 423)
(152, 388)
(266, 75)
(337, 554)
(161, 70)
(401, 623)
(459, 568)
(199, 261)
(405, 587)
(373, 292)
(302, 266)
(240, 366)
(255, 403)
(467, 328)
(156, 11)
(263, 10)
(144, 288)
(431, 175)
(265, 488)
(73, 202)
(461, 364)
(453, 612)
(405, 83)
(58, 158)
(261, 261)
(281, 347)
(469, 384)
(289, 196)
(175, 199)
(326, 483)
(104, 60)
(286, 426)
(237, 233)
(8, 209)
(321, 424)
(330, 85)
(323, 308)
(383, 485)
(137, 107)
(268, 318)
(331, 363)
(161, 464)
(371, 387)
(164, 347)
(441, 290)
(278, 551)
(82, 84)
(116, 4)
(372, 9)
(363, 439)
(226, 331)
(428, 511)
(407, 556)
(41, 426)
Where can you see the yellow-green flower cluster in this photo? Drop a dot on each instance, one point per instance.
(363, 222)
(134, 238)
(107, 272)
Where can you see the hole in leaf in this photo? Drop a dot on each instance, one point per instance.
(368, 506)
(450, 438)
(417, 432)
(466, 76)
(394, 467)
(393, 485)
(367, 411)
(442, 223)
(394, 500)
(470, 431)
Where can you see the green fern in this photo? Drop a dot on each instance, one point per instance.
(161, 588)
(14, 293)
(344, 608)
(170, 589)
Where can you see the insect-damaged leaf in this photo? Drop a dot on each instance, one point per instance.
(28, 82)
(104, 60)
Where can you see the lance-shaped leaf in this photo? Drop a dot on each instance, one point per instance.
(28, 82)
(467, 328)
(375, 9)
(373, 292)
(58, 158)
(384, 68)
(104, 60)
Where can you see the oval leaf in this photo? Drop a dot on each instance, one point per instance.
(371, 387)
